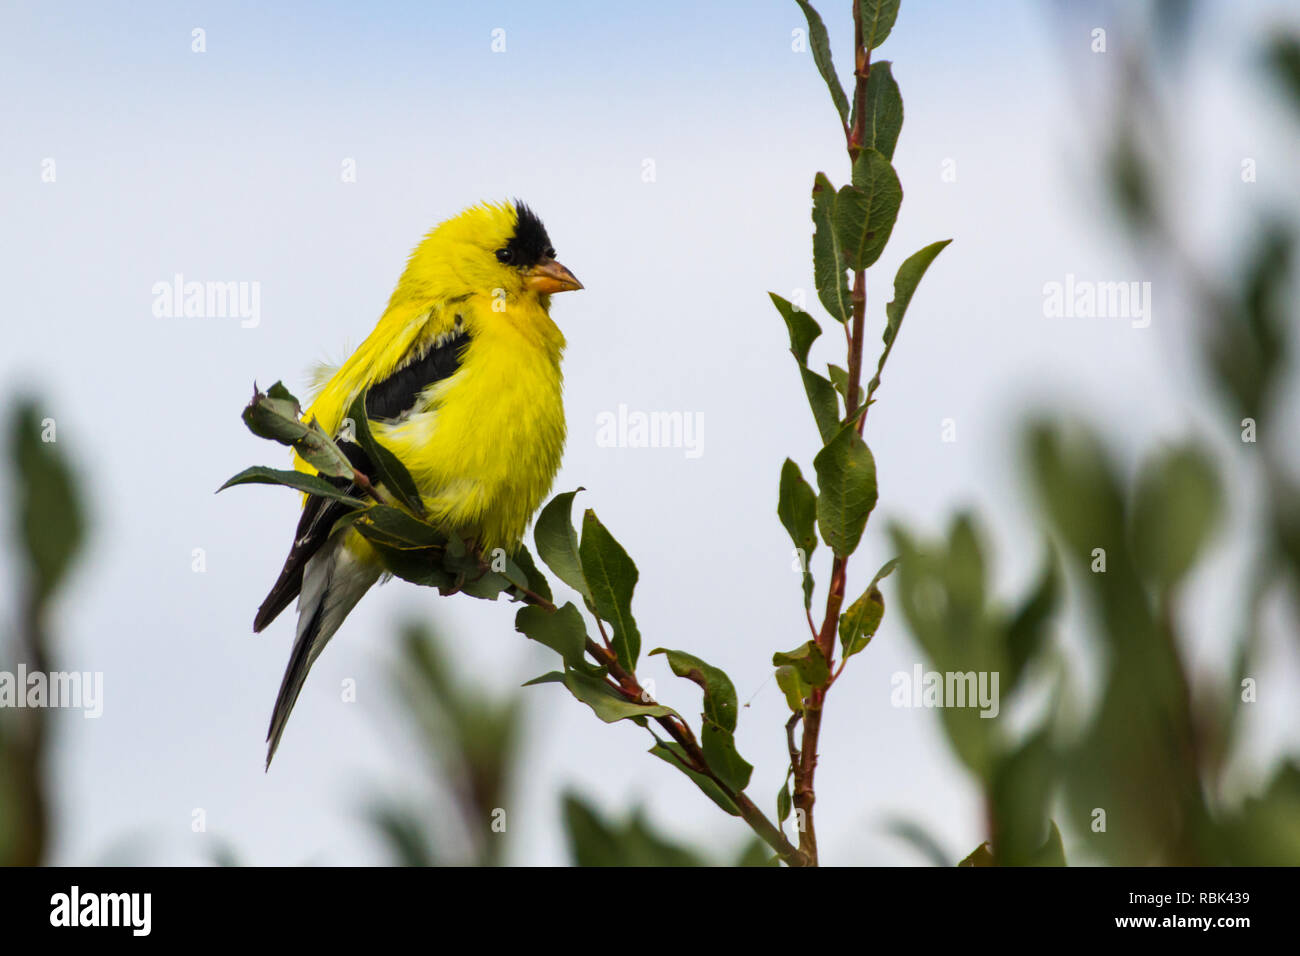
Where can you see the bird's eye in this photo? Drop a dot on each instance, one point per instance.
(550, 252)
(505, 255)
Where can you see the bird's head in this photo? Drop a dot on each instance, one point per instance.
(489, 249)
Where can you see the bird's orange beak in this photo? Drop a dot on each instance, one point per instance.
(549, 276)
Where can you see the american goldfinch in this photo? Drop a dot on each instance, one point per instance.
(463, 372)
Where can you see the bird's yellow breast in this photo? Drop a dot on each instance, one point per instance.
(488, 444)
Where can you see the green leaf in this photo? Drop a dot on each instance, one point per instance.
(1019, 793)
(1178, 502)
(533, 577)
(720, 703)
(671, 752)
(793, 686)
(397, 529)
(419, 566)
(488, 585)
(967, 571)
(802, 327)
(921, 839)
(1282, 59)
(1264, 830)
(593, 841)
(719, 746)
(557, 543)
(852, 418)
(1028, 626)
(797, 508)
(476, 577)
(982, 855)
(459, 558)
(596, 841)
(821, 399)
(563, 631)
(840, 379)
(846, 481)
(607, 703)
(885, 571)
(402, 829)
(1248, 346)
(1052, 852)
(865, 212)
(829, 263)
(877, 19)
(291, 478)
(859, 623)
(279, 392)
(51, 517)
(906, 280)
(319, 450)
(512, 572)
(549, 678)
(1020, 790)
(390, 472)
(884, 119)
(821, 394)
(783, 802)
(612, 577)
(808, 660)
(1080, 488)
(821, 51)
(941, 592)
(275, 414)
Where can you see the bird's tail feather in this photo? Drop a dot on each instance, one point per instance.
(333, 582)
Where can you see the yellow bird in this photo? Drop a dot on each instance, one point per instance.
(463, 372)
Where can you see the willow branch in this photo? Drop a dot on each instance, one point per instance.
(681, 732)
(804, 762)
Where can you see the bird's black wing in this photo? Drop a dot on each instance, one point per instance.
(397, 395)
(390, 398)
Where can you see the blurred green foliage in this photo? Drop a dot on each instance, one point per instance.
(49, 528)
(470, 741)
(595, 840)
(473, 745)
(1138, 777)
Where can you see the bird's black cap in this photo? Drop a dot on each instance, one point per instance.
(530, 244)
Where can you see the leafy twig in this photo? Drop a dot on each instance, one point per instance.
(631, 688)
(804, 762)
